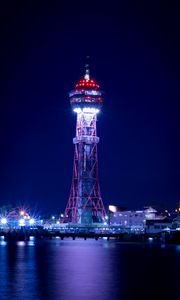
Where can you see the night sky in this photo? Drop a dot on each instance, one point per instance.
(134, 50)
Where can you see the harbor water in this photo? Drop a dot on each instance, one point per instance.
(88, 270)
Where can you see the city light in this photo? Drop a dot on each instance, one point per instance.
(22, 212)
(31, 221)
(21, 222)
(77, 110)
(3, 221)
(113, 208)
(91, 110)
(167, 229)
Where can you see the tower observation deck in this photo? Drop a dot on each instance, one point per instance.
(85, 204)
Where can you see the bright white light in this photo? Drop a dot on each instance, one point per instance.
(3, 221)
(86, 76)
(106, 217)
(62, 215)
(113, 208)
(57, 222)
(21, 222)
(53, 217)
(77, 110)
(31, 221)
(167, 229)
(22, 213)
(91, 110)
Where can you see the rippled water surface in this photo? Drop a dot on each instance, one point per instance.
(103, 270)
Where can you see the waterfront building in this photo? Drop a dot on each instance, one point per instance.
(176, 222)
(132, 219)
(158, 225)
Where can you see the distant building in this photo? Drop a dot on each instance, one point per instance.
(176, 222)
(127, 218)
(132, 219)
(151, 213)
(158, 225)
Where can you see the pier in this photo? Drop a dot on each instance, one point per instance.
(172, 237)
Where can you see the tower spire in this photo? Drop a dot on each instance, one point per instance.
(87, 69)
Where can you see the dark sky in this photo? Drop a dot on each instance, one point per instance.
(134, 48)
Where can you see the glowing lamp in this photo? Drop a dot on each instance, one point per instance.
(90, 110)
(113, 208)
(21, 222)
(31, 221)
(3, 221)
(77, 110)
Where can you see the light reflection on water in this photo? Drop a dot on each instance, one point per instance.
(3, 243)
(103, 270)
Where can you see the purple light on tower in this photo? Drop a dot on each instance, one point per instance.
(85, 205)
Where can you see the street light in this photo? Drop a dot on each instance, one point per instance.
(31, 221)
(3, 221)
(21, 222)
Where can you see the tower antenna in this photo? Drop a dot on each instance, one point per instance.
(87, 69)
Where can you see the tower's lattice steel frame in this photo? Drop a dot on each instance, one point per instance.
(85, 205)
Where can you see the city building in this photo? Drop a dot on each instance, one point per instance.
(158, 225)
(131, 219)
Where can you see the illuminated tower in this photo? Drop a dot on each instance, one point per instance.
(85, 204)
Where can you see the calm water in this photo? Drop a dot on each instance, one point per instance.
(91, 270)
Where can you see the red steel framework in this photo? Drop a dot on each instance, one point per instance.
(85, 205)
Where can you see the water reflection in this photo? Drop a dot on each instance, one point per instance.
(18, 274)
(178, 247)
(86, 269)
(73, 270)
(103, 270)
